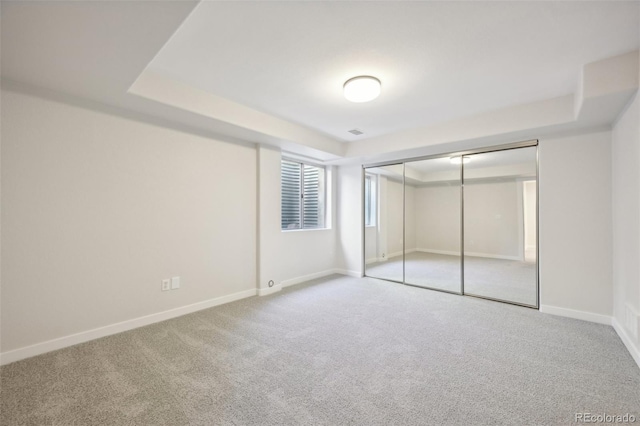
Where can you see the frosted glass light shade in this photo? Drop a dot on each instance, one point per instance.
(362, 89)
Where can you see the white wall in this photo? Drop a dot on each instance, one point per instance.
(493, 220)
(268, 170)
(438, 218)
(101, 208)
(382, 231)
(575, 225)
(98, 209)
(349, 219)
(386, 238)
(411, 237)
(530, 195)
(371, 243)
(290, 257)
(626, 226)
(394, 206)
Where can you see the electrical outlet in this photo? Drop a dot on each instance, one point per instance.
(166, 285)
(175, 283)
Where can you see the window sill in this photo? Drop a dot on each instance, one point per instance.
(284, 231)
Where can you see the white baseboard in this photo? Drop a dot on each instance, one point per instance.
(492, 256)
(633, 349)
(304, 278)
(269, 290)
(399, 253)
(626, 339)
(349, 273)
(631, 321)
(96, 333)
(572, 313)
(309, 277)
(469, 253)
(447, 252)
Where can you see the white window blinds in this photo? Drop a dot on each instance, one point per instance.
(303, 195)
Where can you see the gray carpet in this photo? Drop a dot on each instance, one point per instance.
(497, 278)
(332, 352)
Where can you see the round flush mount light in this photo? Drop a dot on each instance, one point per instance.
(363, 88)
(458, 160)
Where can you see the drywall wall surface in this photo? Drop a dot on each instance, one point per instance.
(371, 243)
(410, 239)
(393, 203)
(382, 233)
(575, 223)
(291, 256)
(437, 212)
(386, 238)
(269, 238)
(305, 254)
(349, 218)
(626, 221)
(98, 209)
(530, 196)
(493, 219)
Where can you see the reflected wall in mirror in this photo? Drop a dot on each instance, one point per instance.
(432, 231)
(500, 218)
(383, 217)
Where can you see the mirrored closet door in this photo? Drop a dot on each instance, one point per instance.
(463, 223)
(383, 220)
(500, 216)
(432, 224)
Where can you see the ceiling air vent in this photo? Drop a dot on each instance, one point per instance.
(356, 132)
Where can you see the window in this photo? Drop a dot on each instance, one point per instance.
(303, 195)
(369, 200)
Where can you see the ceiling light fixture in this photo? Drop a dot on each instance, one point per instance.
(363, 88)
(458, 160)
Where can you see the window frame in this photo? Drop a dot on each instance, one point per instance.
(322, 199)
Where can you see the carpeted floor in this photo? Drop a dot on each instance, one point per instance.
(338, 351)
(497, 278)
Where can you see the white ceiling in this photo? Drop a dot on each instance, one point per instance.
(436, 60)
(92, 49)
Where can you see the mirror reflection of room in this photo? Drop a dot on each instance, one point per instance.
(495, 192)
(500, 225)
(433, 224)
(383, 211)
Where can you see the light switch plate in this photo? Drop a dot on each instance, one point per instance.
(175, 283)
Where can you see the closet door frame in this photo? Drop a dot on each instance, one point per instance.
(495, 148)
